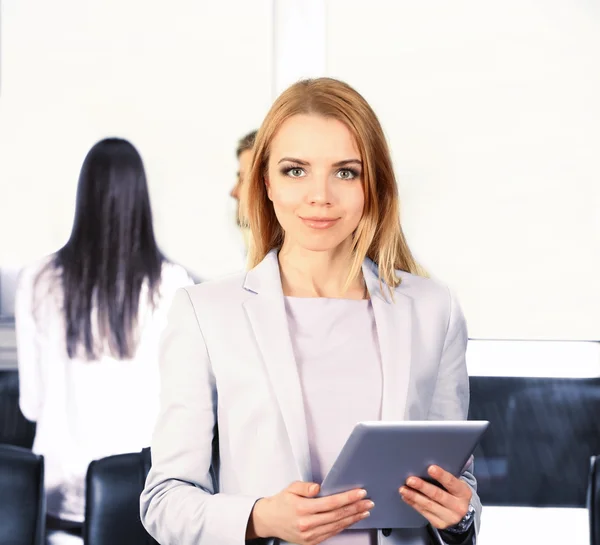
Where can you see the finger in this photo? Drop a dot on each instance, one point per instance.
(456, 487)
(326, 531)
(433, 519)
(435, 493)
(416, 499)
(322, 519)
(336, 501)
(306, 490)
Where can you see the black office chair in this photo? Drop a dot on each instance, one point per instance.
(22, 505)
(553, 431)
(593, 500)
(112, 505)
(14, 428)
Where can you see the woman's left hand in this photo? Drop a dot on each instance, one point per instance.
(442, 508)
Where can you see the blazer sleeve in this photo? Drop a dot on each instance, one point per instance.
(31, 387)
(451, 394)
(180, 504)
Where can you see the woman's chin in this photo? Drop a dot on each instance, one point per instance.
(321, 244)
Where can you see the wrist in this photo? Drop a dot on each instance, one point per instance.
(259, 519)
(465, 524)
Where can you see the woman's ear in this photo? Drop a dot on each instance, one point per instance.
(268, 186)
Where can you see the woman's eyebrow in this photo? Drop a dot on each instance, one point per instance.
(292, 160)
(348, 162)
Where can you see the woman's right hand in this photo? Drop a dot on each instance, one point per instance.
(297, 516)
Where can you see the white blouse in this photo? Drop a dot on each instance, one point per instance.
(339, 364)
(84, 410)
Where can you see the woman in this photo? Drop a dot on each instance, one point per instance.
(265, 374)
(87, 321)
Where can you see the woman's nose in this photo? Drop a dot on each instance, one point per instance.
(319, 191)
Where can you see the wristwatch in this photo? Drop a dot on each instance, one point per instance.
(464, 525)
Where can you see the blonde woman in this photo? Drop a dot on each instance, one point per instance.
(333, 325)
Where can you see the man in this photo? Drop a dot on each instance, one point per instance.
(244, 156)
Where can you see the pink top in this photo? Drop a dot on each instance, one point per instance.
(337, 354)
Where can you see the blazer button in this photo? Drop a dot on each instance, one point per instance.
(386, 532)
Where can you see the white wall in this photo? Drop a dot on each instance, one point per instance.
(491, 111)
(183, 80)
(493, 116)
(300, 39)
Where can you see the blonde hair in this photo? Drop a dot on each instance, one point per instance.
(379, 234)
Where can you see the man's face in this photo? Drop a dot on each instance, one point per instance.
(244, 163)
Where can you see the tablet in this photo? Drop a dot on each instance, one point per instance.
(380, 456)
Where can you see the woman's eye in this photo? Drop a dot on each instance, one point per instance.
(346, 174)
(296, 172)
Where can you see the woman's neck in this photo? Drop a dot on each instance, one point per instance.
(306, 273)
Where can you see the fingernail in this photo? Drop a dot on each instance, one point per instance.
(366, 514)
(361, 494)
(370, 505)
(403, 490)
(314, 488)
(433, 470)
(411, 482)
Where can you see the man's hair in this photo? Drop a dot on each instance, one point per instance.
(246, 143)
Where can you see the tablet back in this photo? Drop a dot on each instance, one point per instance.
(380, 456)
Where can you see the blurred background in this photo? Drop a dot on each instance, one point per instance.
(492, 114)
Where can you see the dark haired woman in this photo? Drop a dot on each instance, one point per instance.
(88, 322)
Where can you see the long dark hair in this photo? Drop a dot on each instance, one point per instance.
(110, 255)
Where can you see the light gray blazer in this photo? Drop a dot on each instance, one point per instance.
(227, 364)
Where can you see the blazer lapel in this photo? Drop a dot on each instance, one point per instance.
(393, 321)
(267, 315)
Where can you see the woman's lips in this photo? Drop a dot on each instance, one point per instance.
(320, 223)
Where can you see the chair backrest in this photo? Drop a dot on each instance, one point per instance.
(553, 430)
(22, 503)
(112, 506)
(534, 418)
(14, 428)
(593, 500)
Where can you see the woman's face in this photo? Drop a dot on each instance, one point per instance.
(314, 180)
